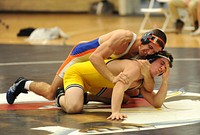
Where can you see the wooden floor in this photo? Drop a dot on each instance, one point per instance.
(14, 62)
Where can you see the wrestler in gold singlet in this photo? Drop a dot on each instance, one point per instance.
(85, 76)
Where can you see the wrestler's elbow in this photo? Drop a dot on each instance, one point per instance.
(158, 104)
(93, 57)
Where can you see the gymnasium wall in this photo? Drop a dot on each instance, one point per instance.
(49, 5)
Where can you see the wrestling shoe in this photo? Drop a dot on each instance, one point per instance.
(85, 100)
(60, 92)
(16, 89)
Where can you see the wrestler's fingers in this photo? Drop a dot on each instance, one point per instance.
(118, 78)
(124, 78)
(117, 116)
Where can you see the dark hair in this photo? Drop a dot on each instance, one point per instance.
(161, 54)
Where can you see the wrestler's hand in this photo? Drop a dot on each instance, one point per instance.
(117, 116)
(145, 65)
(121, 77)
(166, 74)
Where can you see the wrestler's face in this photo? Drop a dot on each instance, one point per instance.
(159, 66)
(149, 49)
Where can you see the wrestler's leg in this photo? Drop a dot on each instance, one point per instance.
(105, 97)
(46, 90)
(108, 94)
(76, 55)
(72, 101)
(22, 85)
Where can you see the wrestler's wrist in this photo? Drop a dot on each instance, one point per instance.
(112, 79)
(165, 81)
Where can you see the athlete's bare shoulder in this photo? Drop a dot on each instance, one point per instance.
(119, 36)
(122, 36)
(126, 64)
(123, 32)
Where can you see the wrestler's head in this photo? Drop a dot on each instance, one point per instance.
(152, 42)
(160, 62)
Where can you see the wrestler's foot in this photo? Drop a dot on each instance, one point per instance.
(60, 92)
(85, 98)
(16, 89)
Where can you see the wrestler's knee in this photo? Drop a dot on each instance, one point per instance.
(74, 108)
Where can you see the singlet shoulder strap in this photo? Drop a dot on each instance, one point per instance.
(127, 50)
(130, 45)
(108, 61)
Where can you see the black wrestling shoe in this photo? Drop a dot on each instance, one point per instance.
(60, 92)
(16, 89)
(85, 100)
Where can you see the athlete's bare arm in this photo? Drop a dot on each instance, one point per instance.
(114, 42)
(157, 99)
(120, 88)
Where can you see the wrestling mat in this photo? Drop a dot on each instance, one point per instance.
(180, 108)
